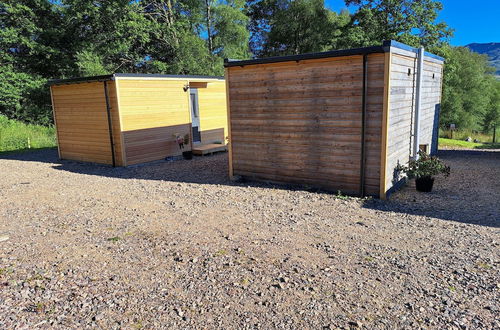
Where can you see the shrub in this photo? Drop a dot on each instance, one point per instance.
(424, 166)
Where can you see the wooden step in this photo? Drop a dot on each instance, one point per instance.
(205, 149)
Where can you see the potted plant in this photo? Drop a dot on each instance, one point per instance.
(182, 142)
(424, 169)
(187, 154)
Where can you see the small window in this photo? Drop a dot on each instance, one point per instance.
(424, 148)
(194, 105)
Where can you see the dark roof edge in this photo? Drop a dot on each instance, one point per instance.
(308, 56)
(80, 79)
(157, 75)
(386, 46)
(127, 75)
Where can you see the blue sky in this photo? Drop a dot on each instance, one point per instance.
(473, 21)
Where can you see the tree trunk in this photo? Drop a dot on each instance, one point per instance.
(209, 25)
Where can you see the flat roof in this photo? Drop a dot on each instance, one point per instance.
(386, 47)
(130, 75)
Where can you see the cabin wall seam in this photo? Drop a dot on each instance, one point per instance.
(385, 126)
(230, 142)
(55, 122)
(120, 123)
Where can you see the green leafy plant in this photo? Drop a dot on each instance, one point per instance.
(424, 166)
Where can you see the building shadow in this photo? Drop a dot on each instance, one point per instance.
(471, 194)
(212, 169)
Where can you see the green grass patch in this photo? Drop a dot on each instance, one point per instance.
(467, 145)
(463, 134)
(16, 135)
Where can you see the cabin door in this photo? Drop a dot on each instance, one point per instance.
(195, 114)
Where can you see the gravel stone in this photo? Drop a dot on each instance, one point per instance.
(176, 244)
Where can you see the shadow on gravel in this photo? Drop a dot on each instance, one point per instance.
(210, 170)
(470, 195)
(202, 170)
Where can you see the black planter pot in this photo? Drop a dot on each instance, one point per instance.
(187, 154)
(424, 184)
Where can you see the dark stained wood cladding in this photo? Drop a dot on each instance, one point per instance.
(300, 122)
(149, 144)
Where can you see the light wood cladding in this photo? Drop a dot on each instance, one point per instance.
(153, 103)
(146, 115)
(213, 112)
(82, 122)
(153, 112)
(115, 118)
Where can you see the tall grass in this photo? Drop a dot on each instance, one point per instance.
(464, 134)
(449, 143)
(16, 135)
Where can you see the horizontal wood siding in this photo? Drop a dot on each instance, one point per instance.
(82, 122)
(213, 111)
(431, 101)
(401, 114)
(115, 119)
(152, 112)
(301, 122)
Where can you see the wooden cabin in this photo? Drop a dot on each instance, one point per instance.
(125, 119)
(339, 120)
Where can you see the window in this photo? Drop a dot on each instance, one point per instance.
(194, 105)
(424, 148)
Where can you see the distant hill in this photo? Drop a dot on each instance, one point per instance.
(492, 49)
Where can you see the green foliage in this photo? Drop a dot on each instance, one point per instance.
(424, 166)
(27, 57)
(284, 27)
(444, 142)
(412, 22)
(470, 92)
(46, 39)
(463, 134)
(15, 135)
(90, 63)
(230, 39)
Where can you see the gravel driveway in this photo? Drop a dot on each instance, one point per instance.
(176, 245)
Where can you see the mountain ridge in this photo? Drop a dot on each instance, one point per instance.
(492, 49)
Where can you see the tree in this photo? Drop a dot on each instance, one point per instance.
(468, 90)
(230, 33)
(409, 21)
(109, 36)
(491, 119)
(193, 37)
(29, 45)
(283, 27)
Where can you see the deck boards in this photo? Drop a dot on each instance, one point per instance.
(206, 149)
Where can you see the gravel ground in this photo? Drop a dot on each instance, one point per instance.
(176, 245)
